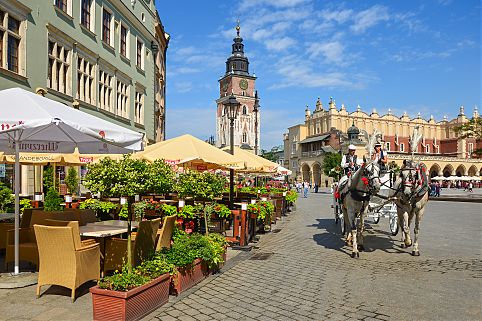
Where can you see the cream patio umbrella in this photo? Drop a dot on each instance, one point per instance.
(252, 162)
(189, 152)
(35, 124)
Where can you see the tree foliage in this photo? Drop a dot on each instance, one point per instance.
(72, 180)
(330, 165)
(200, 185)
(471, 129)
(126, 177)
(160, 178)
(6, 198)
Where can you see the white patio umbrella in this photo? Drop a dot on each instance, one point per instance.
(32, 123)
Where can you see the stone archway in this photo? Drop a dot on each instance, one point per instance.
(472, 171)
(448, 170)
(317, 174)
(461, 171)
(435, 170)
(305, 173)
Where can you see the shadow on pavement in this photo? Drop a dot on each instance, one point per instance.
(332, 238)
(61, 291)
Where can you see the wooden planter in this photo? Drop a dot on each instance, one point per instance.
(131, 305)
(187, 277)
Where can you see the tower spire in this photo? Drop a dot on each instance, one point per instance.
(238, 28)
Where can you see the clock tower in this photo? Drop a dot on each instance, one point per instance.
(241, 84)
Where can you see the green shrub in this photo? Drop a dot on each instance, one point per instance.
(188, 211)
(221, 210)
(7, 200)
(169, 210)
(25, 203)
(72, 180)
(53, 201)
(291, 197)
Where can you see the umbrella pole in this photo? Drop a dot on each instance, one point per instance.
(17, 207)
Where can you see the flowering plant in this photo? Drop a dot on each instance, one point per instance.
(221, 210)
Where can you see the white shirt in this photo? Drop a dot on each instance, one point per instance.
(344, 164)
(376, 156)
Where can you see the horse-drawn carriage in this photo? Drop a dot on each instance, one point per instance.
(370, 191)
(378, 207)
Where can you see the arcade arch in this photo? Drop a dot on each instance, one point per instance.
(461, 171)
(305, 171)
(472, 171)
(435, 170)
(317, 174)
(448, 170)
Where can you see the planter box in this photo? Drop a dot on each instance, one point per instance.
(187, 277)
(131, 305)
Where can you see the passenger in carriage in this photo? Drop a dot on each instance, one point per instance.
(381, 157)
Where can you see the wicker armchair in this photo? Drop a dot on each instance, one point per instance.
(143, 244)
(27, 246)
(165, 232)
(75, 228)
(64, 260)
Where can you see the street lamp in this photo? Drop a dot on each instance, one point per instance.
(256, 109)
(232, 111)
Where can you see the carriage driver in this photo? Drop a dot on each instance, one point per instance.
(349, 162)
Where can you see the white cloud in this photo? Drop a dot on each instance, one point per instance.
(279, 44)
(297, 72)
(368, 18)
(183, 87)
(249, 4)
(340, 16)
(331, 51)
(182, 71)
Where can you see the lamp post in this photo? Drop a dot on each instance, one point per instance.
(256, 109)
(233, 109)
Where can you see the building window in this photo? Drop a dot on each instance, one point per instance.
(105, 90)
(87, 14)
(427, 149)
(85, 81)
(106, 26)
(139, 108)
(470, 149)
(59, 68)
(387, 146)
(140, 55)
(123, 41)
(293, 148)
(245, 137)
(122, 99)
(245, 110)
(402, 147)
(9, 42)
(62, 5)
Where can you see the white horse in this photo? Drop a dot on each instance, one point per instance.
(410, 194)
(355, 196)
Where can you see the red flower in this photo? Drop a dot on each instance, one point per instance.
(364, 180)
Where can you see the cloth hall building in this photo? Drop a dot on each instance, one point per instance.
(332, 129)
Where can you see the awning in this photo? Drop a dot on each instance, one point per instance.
(328, 149)
(315, 139)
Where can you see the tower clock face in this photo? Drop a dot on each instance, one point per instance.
(243, 84)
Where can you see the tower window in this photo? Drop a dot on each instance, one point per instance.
(245, 137)
(245, 110)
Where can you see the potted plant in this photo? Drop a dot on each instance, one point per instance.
(123, 178)
(118, 297)
(7, 200)
(53, 201)
(102, 209)
(194, 256)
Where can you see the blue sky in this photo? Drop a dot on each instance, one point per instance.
(414, 56)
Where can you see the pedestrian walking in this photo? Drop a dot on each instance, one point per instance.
(437, 189)
(306, 186)
(471, 186)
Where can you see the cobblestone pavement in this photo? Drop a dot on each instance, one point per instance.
(304, 272)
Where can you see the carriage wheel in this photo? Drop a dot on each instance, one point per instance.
(393, 222)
